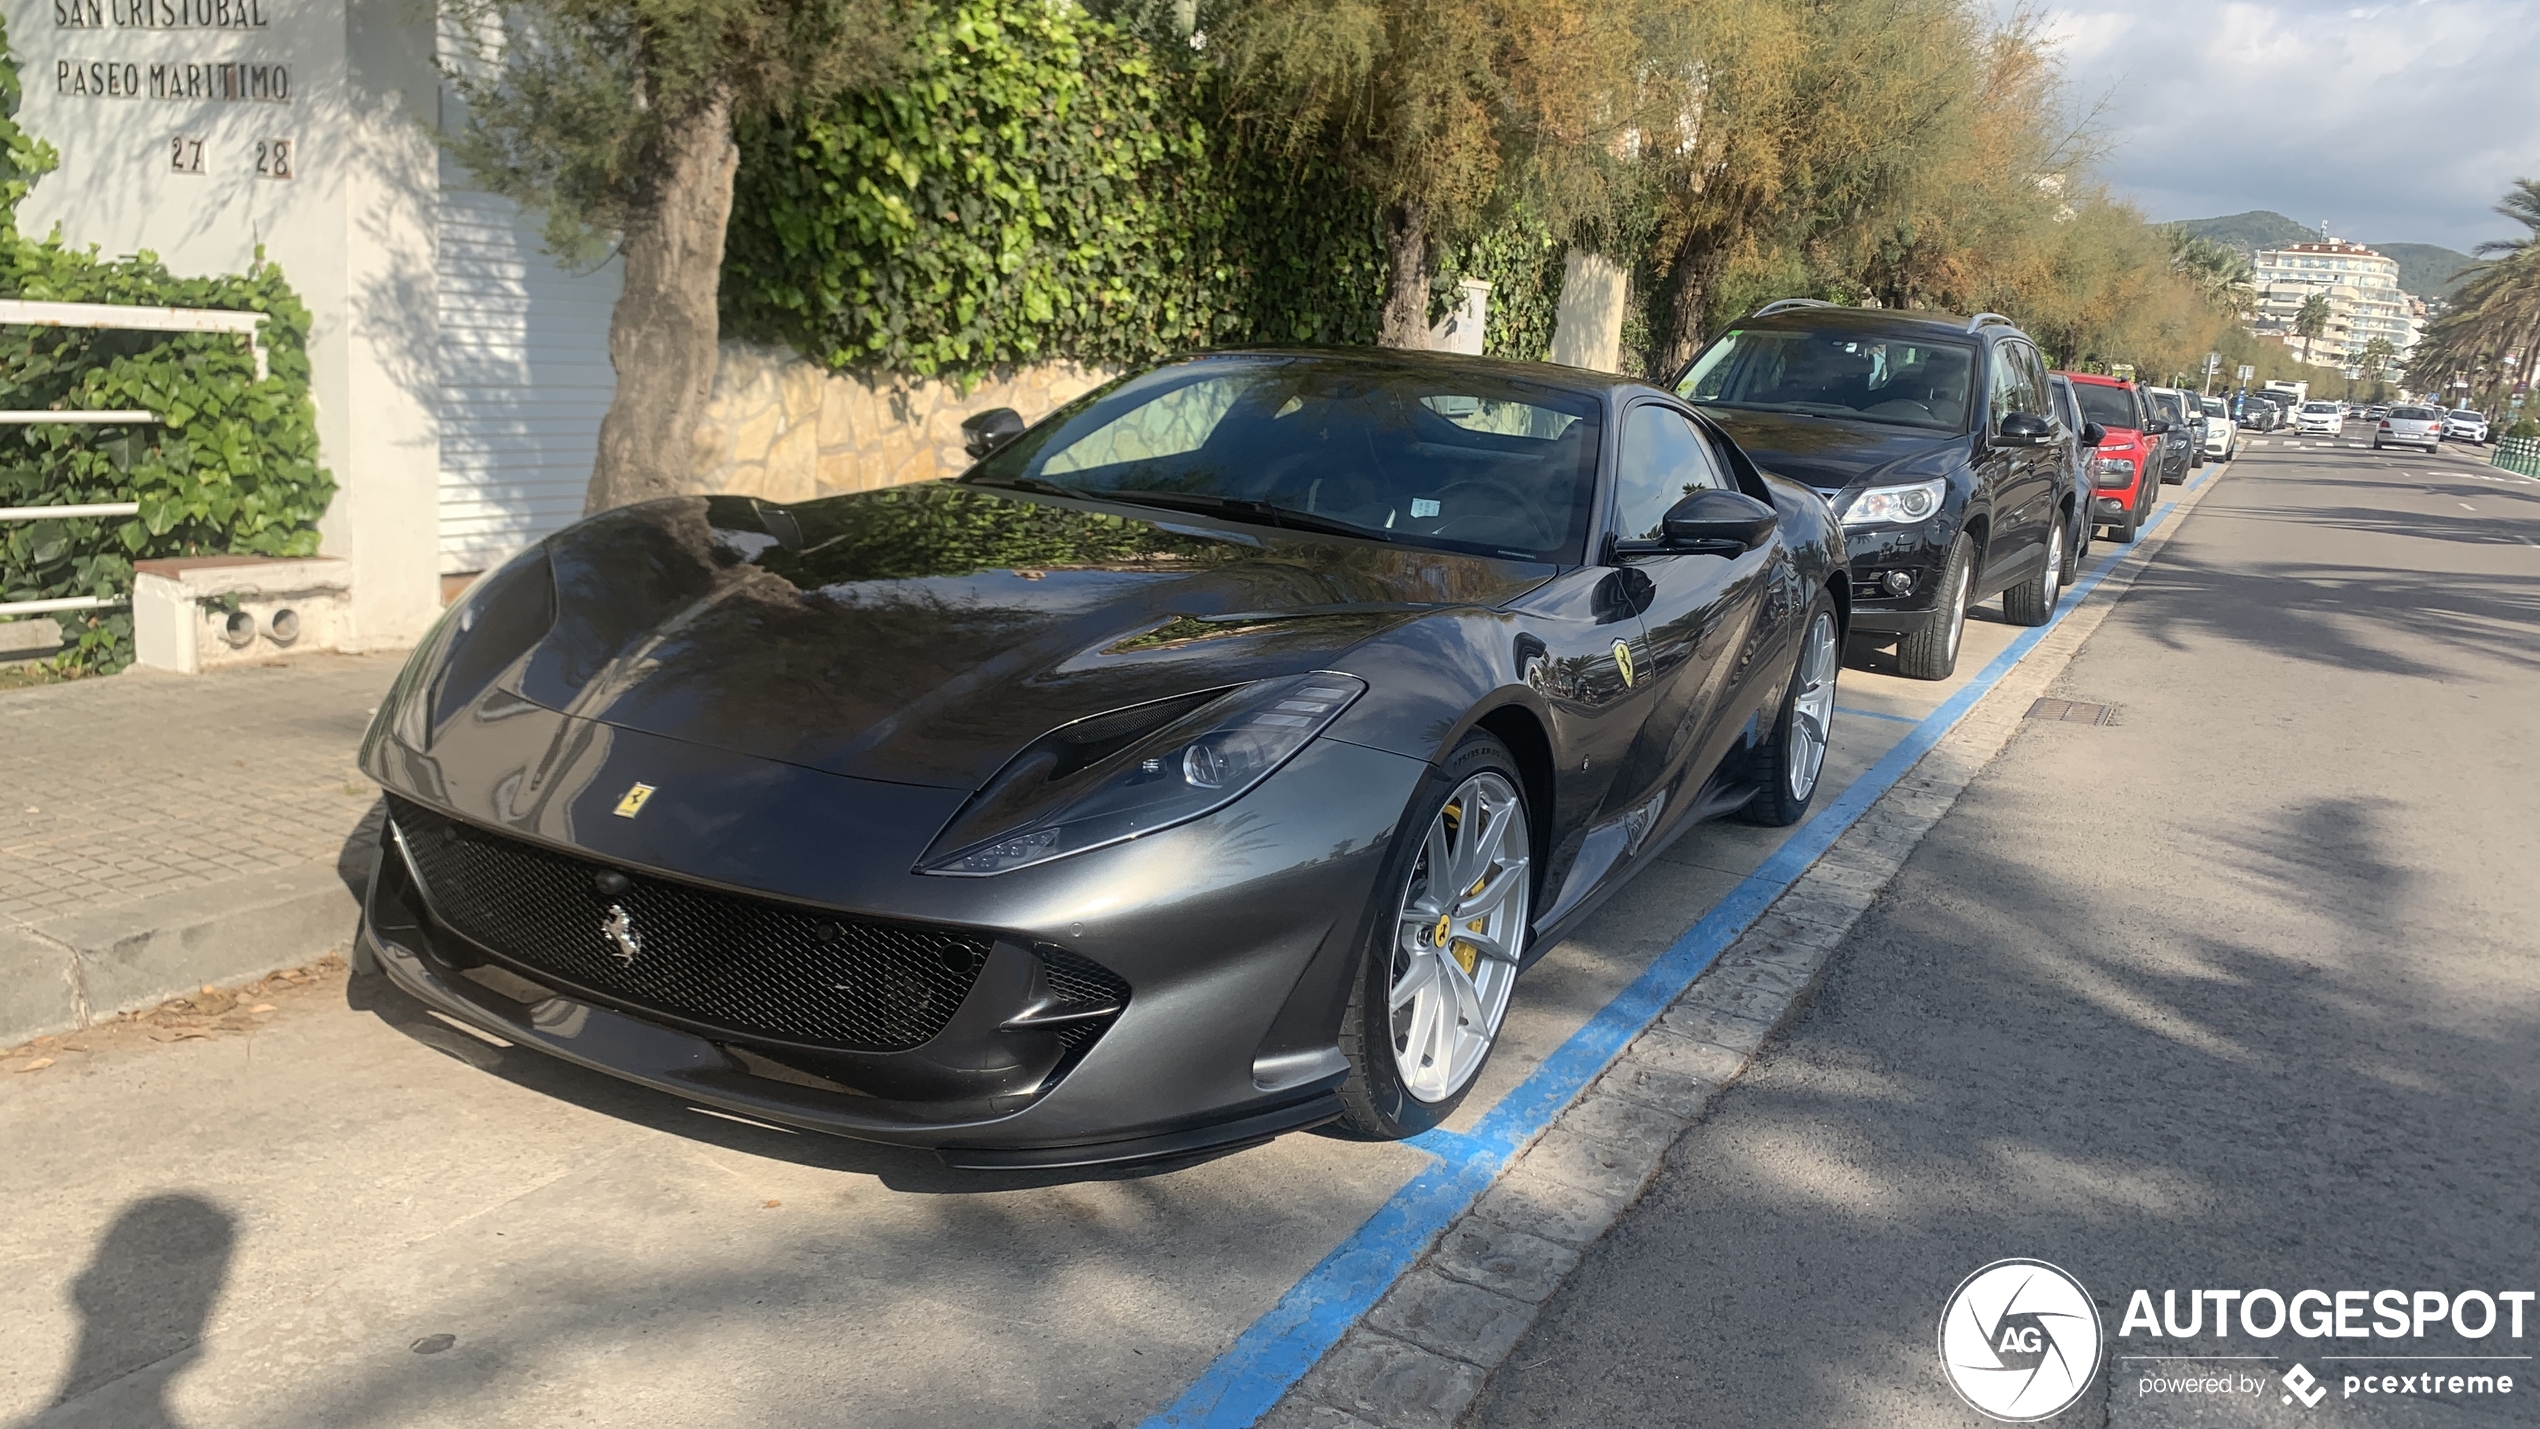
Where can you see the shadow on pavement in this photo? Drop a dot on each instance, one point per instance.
(143, 1300)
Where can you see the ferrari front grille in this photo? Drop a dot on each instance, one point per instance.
(751, 966)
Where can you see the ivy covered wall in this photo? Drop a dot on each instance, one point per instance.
(232, 468)
(1048, 185)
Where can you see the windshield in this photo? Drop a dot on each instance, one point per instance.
(2468, 416)
(2108, 406)
(2214, 407)
(1836, 374)
(1479, 464)
(2323, 407)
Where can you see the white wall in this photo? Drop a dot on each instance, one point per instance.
(353, 228)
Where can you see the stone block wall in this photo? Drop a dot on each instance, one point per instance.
(784, 429)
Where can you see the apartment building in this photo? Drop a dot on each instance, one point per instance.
(2362, 288)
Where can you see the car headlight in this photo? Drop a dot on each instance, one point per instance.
(1123, 775)
(2112, 471)
(1895, 505)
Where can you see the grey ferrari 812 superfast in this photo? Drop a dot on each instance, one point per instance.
(1206, 762)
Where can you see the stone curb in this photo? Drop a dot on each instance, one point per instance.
(68, 972)
(1426, 1351)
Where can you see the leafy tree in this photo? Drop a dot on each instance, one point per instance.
(1433, 108)
(614, 119)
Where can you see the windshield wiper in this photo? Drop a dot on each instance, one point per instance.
(1265, 513)
(1031, 483)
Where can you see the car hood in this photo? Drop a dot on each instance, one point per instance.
(1835, 456)
(924, 634)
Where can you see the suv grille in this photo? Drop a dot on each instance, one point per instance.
(746, 964)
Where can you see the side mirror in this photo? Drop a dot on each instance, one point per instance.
(2026, 429)
(2092, 434)
(990, 430)
(2155, 427)
(1720, 523)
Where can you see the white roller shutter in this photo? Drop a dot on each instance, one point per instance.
(525, 378)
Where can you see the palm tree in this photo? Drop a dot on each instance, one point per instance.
(2496, 309)
(2311, 321)
(2376, 357)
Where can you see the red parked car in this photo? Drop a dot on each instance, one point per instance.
(2123, 492)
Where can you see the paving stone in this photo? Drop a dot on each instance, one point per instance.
(1608, 1145)
(1386, 1381)
(1516, 1263)
(1460, 1321)
(1704, 1020)
(1652, 1081)
(1532, 1199)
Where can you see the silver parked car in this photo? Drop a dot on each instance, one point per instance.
(2463, 425)
(2409, 427)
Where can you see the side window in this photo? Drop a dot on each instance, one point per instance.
(2008, 384)
(1663, 459)
(2040, 397)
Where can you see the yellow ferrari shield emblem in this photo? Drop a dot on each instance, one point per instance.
(633, 803)
(1623, 659)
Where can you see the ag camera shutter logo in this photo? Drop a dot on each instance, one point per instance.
(2020, 1340)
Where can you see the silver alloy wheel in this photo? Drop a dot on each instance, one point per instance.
(1958, 608)
(1812, 709)
(1458, 937)
(2054, 566)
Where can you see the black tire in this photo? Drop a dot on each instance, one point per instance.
(1374, 1102)
(1931, 653)
(2032, 601)
(2077, 550)
(1777, 807)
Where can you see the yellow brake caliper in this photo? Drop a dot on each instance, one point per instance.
(1466, 956)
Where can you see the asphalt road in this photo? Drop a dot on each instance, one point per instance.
(2239, 990)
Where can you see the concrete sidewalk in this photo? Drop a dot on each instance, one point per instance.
(159, 832)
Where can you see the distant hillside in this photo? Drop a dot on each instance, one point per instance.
(2424, 269)
(2251, 231)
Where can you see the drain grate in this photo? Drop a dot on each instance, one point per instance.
(2071, 712)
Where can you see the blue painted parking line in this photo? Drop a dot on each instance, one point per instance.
(1275, 1351)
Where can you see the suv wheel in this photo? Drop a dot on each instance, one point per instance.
(2032, 601)
(1931, 653)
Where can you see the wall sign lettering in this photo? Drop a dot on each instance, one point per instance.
(185, 154)
(159, 14)
(273, 158)
(228, 82)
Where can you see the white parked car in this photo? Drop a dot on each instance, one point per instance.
(2326, 418)
(2222, 434)
(2464, 425)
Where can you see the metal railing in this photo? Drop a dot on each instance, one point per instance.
(22, 312)
(2520, 455)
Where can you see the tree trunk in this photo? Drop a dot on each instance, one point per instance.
(1406, 317)
(1696, 266)
(662, 333)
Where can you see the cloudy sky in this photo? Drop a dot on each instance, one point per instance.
(2390, 122)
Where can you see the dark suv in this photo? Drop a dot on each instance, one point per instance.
(1937, 441)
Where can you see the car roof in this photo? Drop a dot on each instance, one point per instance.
(1881, 320)
(2100, 378)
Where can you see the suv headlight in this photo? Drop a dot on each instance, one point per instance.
(1133, 772)
(2112, 471)
(1896, 505)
